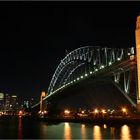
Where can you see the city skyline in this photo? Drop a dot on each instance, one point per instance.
(36, 35)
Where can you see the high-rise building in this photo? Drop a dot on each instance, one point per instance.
(13, 103)
(1, 101)
(7, 102)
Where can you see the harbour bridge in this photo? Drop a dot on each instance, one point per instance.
(120, 65)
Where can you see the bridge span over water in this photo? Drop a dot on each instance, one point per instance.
(120, 65)
(92, 63)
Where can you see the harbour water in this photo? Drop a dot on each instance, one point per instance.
(28, 128)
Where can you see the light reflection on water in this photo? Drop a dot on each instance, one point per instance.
(86, 131)
(19, 127)
(105, 126)
(112, 132)
(83, 131)
(97, 132)
(125, 133)
(67, 131)
(43, 130)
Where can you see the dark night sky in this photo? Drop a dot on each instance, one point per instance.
(35, 35)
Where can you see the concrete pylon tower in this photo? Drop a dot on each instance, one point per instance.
(137, 35)
(41, 100)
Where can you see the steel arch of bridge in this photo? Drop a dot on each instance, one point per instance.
(83, 61)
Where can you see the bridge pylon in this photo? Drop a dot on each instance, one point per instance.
(137, 35)
(41, 100)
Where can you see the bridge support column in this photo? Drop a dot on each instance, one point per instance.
(137, 35)
(41, 101)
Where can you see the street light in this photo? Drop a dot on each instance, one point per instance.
(124, 110)
(20, 113)
(103, 111)
(96, 111)
(45, 112)
(66, 112)
(82, 111)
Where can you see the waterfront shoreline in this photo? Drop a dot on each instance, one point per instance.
(92, 120)
(113, 120)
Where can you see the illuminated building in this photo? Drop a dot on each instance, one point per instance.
(13, 102)
(26, 104)
(138, 58)
(1, 101)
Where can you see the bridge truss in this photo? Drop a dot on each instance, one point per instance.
(90, 60)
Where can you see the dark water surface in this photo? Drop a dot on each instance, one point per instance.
(27, 128)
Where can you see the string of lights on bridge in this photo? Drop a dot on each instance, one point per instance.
(114, 55)
(82, 77)
(109, 57)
